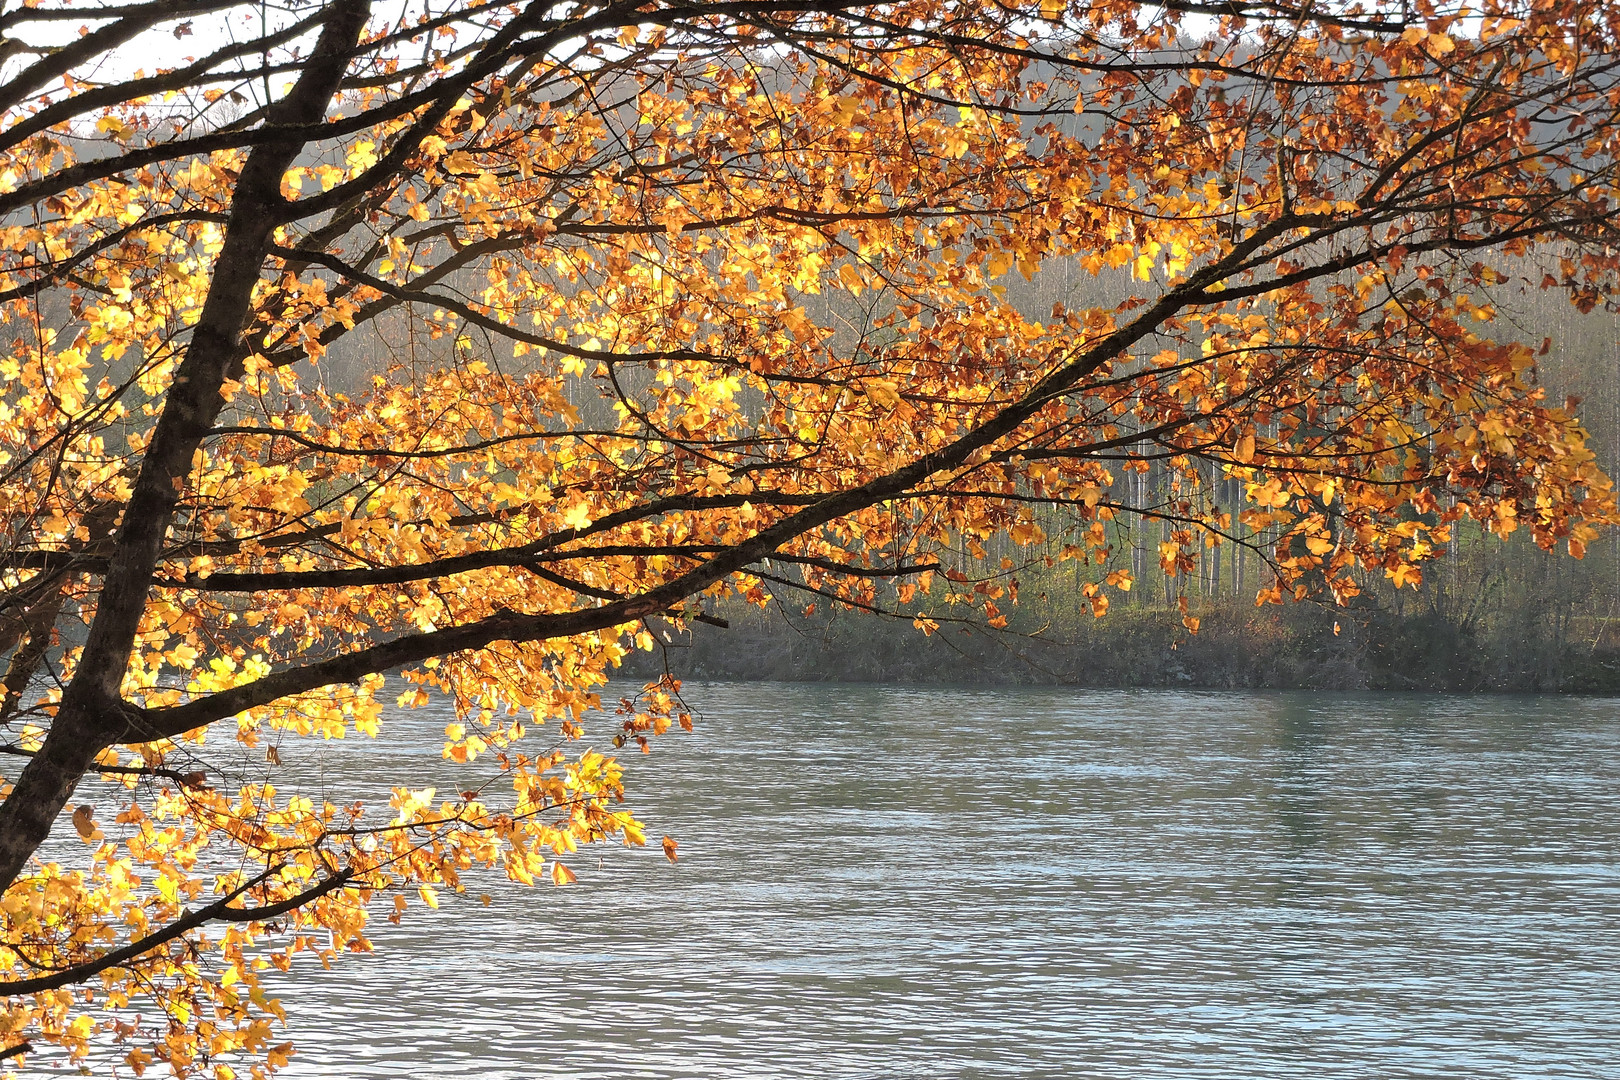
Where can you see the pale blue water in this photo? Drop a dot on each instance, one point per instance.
(879, 882)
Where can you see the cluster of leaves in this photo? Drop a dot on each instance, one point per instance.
(503, 331)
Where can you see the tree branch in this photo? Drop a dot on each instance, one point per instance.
(219, 911)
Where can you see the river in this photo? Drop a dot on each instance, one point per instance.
(891, 882)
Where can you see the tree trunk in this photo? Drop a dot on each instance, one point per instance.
(92, 715)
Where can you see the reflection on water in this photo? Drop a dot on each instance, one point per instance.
(883, 882)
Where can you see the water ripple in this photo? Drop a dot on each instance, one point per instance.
(885, 882)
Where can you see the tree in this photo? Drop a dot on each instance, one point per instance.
(475, 339)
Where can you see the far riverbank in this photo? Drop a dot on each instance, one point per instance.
(1238, 646)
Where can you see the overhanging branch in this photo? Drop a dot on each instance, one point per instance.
(219, 911)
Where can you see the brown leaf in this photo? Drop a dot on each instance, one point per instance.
(84, 822)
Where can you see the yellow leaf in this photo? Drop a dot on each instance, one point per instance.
(561, 875)
(851, 278)
(577, 516)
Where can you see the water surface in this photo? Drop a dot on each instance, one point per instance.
(881, 882)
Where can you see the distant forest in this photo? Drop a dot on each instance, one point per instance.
(1490, 615)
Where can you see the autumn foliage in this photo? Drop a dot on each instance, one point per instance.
(478, 341)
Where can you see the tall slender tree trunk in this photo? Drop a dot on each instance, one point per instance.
(93, 714)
